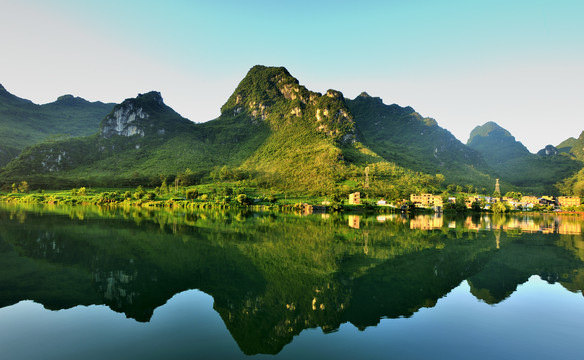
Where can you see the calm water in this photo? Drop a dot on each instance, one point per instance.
(90, 283)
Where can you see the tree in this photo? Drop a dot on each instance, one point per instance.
(139, 193)
(242, 199)
(185, 178)
(192, 194)
(500, 207)
(514, 195)
(337, 201)
(164, 187)
(476, 206)
(23, 187)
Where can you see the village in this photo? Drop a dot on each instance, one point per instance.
(512, 201)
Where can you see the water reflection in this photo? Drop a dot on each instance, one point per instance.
(272, 276)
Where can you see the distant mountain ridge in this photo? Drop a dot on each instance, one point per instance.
(512, 161)
(23, 123)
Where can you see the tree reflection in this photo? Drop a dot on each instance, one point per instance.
(274, 275)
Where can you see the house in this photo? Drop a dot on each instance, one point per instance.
(525, 200)
(426, 200)
(547, 200)
(355, 198)
(472, 199)
(565, 201)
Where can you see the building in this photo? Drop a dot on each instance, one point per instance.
(530, 200)
(565, 201)
(472, 199)
(525, 200)
(426, 200)
(547, 200)
(355, 198)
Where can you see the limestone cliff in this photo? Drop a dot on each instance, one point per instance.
(130, 117)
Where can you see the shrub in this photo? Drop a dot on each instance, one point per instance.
(139, 193)
(243, 199)
(192, 194)
(150, 195)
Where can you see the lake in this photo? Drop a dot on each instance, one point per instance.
(99, 283)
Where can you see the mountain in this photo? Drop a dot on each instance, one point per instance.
(514, 164)
(573, 147)
(403, 136)
(23, 123)
(271, 131)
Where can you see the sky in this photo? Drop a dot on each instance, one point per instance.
(518, 63)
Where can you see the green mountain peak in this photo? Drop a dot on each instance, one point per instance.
(272, 96)
(490, 128)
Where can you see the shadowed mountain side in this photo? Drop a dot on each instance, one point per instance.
(403, 136)
(23, 123)
(513, 163)
(573, 185)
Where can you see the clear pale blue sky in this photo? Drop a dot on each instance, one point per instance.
(518, 63)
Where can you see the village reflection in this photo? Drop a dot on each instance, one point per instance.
(545, 224)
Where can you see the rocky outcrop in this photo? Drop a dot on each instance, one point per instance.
(271, 95)
(549, 150)
(129, 118)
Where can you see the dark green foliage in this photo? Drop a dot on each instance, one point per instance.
(272, 198)
(242, 199)
(139, 193)
(192, 194)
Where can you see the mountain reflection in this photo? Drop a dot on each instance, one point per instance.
(274, 275)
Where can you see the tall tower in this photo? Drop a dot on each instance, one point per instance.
(497, 188)
(366, 186)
